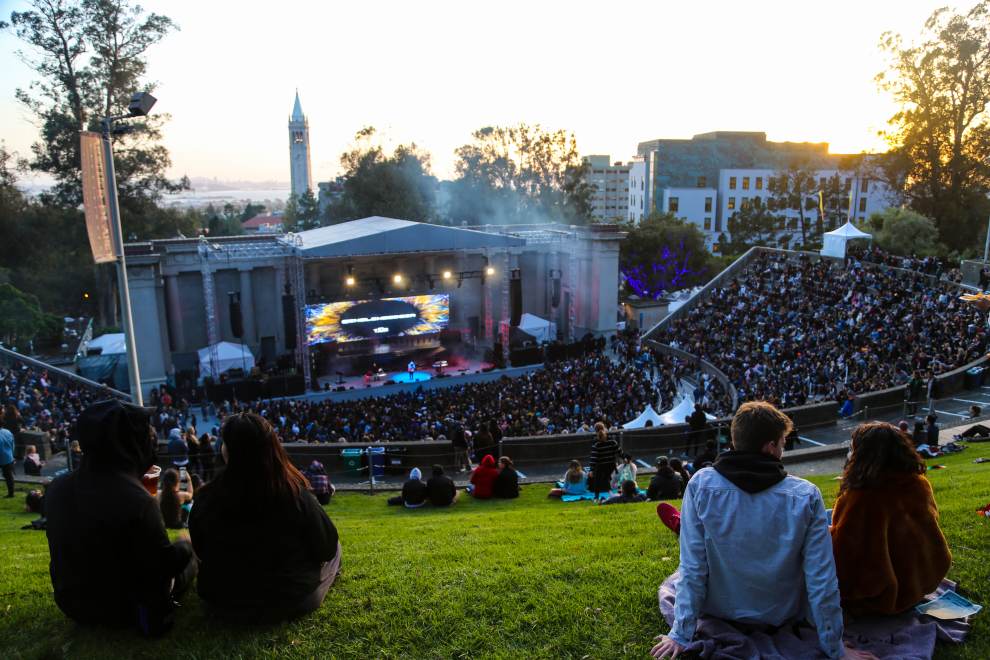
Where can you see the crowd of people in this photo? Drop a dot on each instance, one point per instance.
(929, 265)
(800, 330)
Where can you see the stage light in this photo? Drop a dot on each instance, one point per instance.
(350, 280)
(85, 296)
(397, 278)
(489, 270)
(447, 274)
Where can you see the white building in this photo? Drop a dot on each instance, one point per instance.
(639, 184)
(610, 188)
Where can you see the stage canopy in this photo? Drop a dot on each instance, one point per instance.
(109, 344)
(228, 356)
(378, 235)
(539, 329)
(834, 244)
(648, 415)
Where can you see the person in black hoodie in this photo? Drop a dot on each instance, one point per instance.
(440, 488)
(414, 491)
(111, 559)
(267, 549)
(507, 482)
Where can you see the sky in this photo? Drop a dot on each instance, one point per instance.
(613, 73)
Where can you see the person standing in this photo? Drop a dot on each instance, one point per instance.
(602, 461)
(7, 458)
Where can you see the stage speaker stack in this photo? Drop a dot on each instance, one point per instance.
(289, 316)
(515, 301)
(236, 321)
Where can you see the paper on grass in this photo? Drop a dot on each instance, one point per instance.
(949, 605)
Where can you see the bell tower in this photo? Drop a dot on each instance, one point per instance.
(299, 163)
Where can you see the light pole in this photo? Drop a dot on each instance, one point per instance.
(140, 105)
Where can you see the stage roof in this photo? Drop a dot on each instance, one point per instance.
(378, 235)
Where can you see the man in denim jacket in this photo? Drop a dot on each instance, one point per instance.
(755, 546)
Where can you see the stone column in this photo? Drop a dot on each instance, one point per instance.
(174, 313)
(247, 307)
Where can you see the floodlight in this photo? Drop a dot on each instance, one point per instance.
(141, 104)
(447, 274)
(489, 271)
(397, 278)
(350, 280)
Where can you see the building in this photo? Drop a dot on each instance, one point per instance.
(639, 191)
(707, 179)
(264, 224)
(300, 169)
(610, 188)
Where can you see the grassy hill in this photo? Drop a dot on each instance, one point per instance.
(529, 578)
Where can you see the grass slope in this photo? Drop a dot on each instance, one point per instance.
(529, 578)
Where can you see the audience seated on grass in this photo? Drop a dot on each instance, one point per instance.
(665, 484)
(482, 483)
(628, 493)
(677, 465)
(574, 483)
(414, 491)
(625, 472)
(506, 484)
(754, 543)
(266, 547)
(602, 462)
(889, 548)
(174, 502)
(440, 488)
(111, 559)
(319, 482)
(976, 431)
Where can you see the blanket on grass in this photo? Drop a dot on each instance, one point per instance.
(906, 636)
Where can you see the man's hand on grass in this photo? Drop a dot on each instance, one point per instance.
(667, 648)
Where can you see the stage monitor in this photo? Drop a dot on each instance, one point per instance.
(357, 320)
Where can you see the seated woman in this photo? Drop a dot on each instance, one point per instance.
(889, 549)
(507, 482)
(414, 491)
(32, 461)
(627, 494)
(319, 482)
(575, 481)
(483, 478)
(665, 484)
(678, 467)
(625, 472)
(175, 504)
(266, 547)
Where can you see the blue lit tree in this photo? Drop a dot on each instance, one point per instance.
(663, 254)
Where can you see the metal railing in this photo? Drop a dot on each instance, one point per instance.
(8, 356)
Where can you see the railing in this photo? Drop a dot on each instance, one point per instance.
(8, 356)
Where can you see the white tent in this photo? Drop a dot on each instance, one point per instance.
(834, 244)
(110, 344)
(540, 329)
(648, 415)
(224, 356)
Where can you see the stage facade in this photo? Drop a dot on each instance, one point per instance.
(365, 297)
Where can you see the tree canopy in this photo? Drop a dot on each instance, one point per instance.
(904, 232)
(663, 254)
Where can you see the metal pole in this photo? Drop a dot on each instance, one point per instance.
(118, 244)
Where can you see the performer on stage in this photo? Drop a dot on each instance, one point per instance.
(411, 368)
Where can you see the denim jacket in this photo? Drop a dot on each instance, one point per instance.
(756, 558)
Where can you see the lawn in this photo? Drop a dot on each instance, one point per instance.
(527, 578)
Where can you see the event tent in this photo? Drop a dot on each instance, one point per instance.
(834, 244)
(227, 356)
(539, 329)
(109, 344)
(648, 415)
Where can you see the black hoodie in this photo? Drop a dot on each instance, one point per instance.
(751, 471)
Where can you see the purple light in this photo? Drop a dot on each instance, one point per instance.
(670, 272)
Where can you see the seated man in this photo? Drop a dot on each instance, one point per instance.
(976, 430)
(755, 544)
(440, 488)
(111, 559)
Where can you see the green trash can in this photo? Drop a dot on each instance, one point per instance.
(352, 461)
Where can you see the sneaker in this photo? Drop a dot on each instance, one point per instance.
(670, 517)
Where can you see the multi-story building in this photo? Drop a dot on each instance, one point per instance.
(638, 191)
(610, 188)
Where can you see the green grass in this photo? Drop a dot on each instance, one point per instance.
(529, 578)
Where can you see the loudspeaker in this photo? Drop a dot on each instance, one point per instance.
(555, 292)
(289, 316)
(515, 301)
(236, 322)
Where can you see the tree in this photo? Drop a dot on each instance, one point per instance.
(753, 224)
(795, 188)
(395, 184)
(307, 216)
(663, 254)
(21, 318)
(904, 232)
(939, 157)
(520, 174)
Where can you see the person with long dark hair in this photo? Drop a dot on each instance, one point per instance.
(889, 549)
(267, 549)
(173, 502)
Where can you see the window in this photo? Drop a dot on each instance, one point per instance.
(732, 183)
(732, 204)
(673, 204)
(708, 224)
(708, 204)
(745, 203)
(821, 182)
(862, 205)
(848, 185)
(702, 181)
(745, 183)
(866, 185)
(759, 183)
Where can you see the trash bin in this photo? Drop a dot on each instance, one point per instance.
(352, 461)
(395, 459)
(974, 377)
(376, 460)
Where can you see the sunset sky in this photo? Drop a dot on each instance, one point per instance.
(431, 72)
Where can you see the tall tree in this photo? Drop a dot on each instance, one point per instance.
(904, 232)
(520, 174)
(663, 254)
(753, 224)
(939, 157)
(795, 188)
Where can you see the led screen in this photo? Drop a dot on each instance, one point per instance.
(356, 320)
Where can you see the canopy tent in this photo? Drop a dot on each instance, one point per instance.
(539, 329)
(679, 413)
(834, 244)
(109, 344)
(222, 357)
(648, 415)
